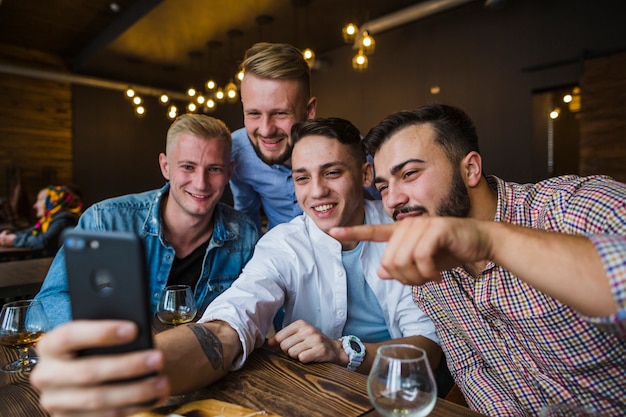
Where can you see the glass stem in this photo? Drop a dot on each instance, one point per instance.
(23, 359)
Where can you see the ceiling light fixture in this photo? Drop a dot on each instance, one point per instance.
(349, 32)
(398, 18)
(359, 61)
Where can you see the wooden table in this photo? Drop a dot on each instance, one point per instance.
(22, 278)
(269, 381)
(8, 254)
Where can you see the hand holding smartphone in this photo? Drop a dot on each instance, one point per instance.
(107, 279)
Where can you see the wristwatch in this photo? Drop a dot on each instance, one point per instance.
(355, 349)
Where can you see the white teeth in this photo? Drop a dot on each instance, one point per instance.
(324, 207)
(198, 196)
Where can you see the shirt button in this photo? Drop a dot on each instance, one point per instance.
(341, 313)
(340, 273)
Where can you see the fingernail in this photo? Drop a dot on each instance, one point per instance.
(125, 330)
(161, 385)
(154, 360)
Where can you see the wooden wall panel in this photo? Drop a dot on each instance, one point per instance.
(603, 117)
(35, 133)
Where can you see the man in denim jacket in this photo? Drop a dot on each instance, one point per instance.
(189, 236)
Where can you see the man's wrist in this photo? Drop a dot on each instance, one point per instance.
(354, 349)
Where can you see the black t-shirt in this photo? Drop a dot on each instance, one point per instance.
(186, 271)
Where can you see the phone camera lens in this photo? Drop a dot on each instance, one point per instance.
(75, 244)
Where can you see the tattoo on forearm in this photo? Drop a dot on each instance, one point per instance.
(210, 343)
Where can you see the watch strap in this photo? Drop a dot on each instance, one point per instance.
(355, 358)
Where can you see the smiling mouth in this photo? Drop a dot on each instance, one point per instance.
(198, 196)
(271, 141)
(323, 208)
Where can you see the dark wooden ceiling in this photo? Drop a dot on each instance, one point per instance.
(164, 43)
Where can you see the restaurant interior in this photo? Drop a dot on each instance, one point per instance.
(88, 90)
(66, 66)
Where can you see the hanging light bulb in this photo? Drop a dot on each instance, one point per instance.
(200, 99)
(555, 113)
(359, 61)
(140, 111)
(349, 32)
(309, 56)
(210, 104)
(368, 44)
(164, 99)
(219, 95)
(191, 92)
(191, 107)
(172, 112)
(130, 93)
(231, 92)
(137, 100)
(239, 75)
(210, 85)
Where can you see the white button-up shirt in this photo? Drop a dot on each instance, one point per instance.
(298, 266)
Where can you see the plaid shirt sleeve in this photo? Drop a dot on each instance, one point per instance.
(612, 250)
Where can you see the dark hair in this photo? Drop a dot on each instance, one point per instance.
(454, 130)
(332, 127)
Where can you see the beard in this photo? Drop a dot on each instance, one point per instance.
(455, 204)
(280, 159)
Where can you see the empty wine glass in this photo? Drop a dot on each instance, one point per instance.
(177, 305)
(22, 323)
(401, 382)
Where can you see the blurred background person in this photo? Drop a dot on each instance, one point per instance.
(57, 208)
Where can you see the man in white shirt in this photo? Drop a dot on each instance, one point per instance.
(328, 289)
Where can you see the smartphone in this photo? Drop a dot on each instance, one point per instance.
(107, 279)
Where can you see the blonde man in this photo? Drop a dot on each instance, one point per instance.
(190, 237)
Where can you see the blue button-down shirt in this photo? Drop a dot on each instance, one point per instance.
(230, 247)
(255, 183)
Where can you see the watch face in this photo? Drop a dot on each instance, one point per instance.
(355, 346)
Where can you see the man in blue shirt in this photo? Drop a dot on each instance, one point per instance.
(275, 94)
(189, 236)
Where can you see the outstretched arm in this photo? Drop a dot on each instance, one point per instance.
(565, 267)
(186, 357)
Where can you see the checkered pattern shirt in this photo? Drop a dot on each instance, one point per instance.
(513, 349)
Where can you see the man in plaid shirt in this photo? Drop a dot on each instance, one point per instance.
(526, 317)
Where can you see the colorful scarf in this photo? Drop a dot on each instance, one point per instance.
(58, 199)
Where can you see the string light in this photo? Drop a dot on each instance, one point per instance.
(368, 44)
(219, 95)
(172, 112)
(359, 61)
(349, 32)
(309, 56)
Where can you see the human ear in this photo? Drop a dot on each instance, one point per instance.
(164, 166)
(368, 174)
(472, 168)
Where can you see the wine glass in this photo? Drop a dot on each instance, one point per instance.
(401, 382)
(22, 323)
(177, 305)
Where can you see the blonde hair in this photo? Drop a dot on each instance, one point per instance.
(277, 61)
(198, 125)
